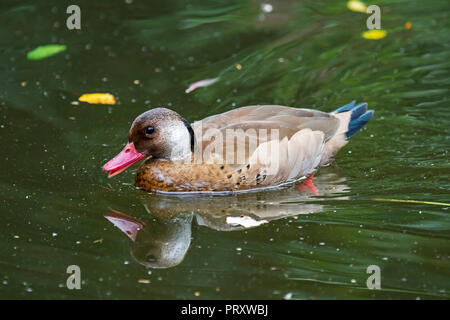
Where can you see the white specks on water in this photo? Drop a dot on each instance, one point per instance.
(353, 281)
(266, 7)
(54, 234)
(126, 262)
(288, 296)
(321, 243)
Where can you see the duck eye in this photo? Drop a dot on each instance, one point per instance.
(149, 130)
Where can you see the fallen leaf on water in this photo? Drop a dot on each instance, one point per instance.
(245, 221)
(98, 98)
(408, 25)
(201, 83)
(144, 281)
(374, 34)
(357, 6)
(42, 52)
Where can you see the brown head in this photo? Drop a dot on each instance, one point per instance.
(160, 133)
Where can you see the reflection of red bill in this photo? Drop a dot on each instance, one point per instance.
(128, 225)
(308, 186)
(125, 159)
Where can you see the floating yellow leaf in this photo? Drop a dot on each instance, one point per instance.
(357, 6)
(144, 281)
(374, 34)
(408, 25)
(97, 98)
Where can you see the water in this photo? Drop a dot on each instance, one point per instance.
(57, 205)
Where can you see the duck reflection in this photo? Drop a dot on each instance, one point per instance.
(163, 239)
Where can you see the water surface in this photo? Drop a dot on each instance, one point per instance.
(57, 205)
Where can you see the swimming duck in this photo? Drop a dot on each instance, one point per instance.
(244, 149)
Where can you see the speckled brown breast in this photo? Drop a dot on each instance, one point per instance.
(169, 176)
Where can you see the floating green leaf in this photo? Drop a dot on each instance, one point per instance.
(42, 52)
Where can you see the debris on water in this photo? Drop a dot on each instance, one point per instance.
(245, 221)
(357, 6)
(144, 281)
(98, 98)
(46, 51)
(239, 66)
(98, 241)
(201, 83)
(196, 293)
(266, 7)
(408, 25)
(414, 201)
(374, 34)
(288, 296)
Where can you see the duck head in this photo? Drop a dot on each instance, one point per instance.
(158, 133)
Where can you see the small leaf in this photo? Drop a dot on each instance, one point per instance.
(374, 34)
(42, 52)
(201, 83)
(357, 6)
(98, 98)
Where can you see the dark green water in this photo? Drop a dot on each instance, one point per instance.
(54, 197)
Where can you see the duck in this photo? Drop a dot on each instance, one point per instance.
(245, 149)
